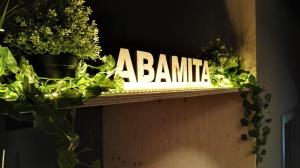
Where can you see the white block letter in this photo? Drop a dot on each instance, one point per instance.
(124, 61)
(162, 71)
(198, 64)
(205, 73)
(179, 72)
(190, 69)
(142, 66)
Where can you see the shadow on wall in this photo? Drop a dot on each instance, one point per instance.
(169, 26)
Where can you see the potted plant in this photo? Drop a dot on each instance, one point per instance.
(5, 13)
(53, 35)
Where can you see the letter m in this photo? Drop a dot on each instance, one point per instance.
(179, 71)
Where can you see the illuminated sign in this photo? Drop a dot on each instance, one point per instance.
(178, 73)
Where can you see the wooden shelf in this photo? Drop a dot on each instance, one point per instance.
(134, 97)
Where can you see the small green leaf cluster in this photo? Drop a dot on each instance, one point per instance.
(53, 27)
(226, 71)
(225, 65)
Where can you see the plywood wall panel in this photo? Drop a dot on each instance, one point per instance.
(200, 132)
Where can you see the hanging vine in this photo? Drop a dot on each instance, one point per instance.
(227, 71)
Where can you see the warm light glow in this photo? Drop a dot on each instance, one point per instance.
(189, 157)
(163, 86)
(54, 94)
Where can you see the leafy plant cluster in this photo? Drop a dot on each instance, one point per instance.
(226, 71)
(21, 90)
(53, 27)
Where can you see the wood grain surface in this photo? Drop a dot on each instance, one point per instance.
(198, 132)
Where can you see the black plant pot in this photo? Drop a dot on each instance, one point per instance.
(54, 66)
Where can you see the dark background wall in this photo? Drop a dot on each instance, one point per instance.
(278, 42)
(171, 27)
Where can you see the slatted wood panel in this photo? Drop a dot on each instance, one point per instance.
(201, 132)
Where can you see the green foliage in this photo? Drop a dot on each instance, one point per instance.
(8, 67)
(53, 27)
(8, 64)
(225, 65)
(226, 71)
(22, 90)
(67, 159)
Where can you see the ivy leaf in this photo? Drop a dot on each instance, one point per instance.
(118, 83)
(109, 64)
(67, 159)
(93, 91)
(268, 97)
(266, 131)
(256, 118)
(244, 137)
(257, 90)
(264, 141)
(259, 157)
(244, 122)
(266, 106)
(252, 80)
(269, 120)
(103, 81)
(81, 70)
(32, 94)
(26, 70)
(7, 62)
(253, 133)
(73, 140)
(263, 152)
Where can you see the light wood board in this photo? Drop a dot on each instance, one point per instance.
(199, 132)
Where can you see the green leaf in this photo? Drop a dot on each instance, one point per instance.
(109, 64)
(244, 122)
(256, 118)
(266, 131)
(263, 152)
(253, 133)
(118, 83)
(27, 71)
(93, 91)
(67, 159)
(244, 137)
(269, 120)
(81, 70)
(7, 62)
(268, 97)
